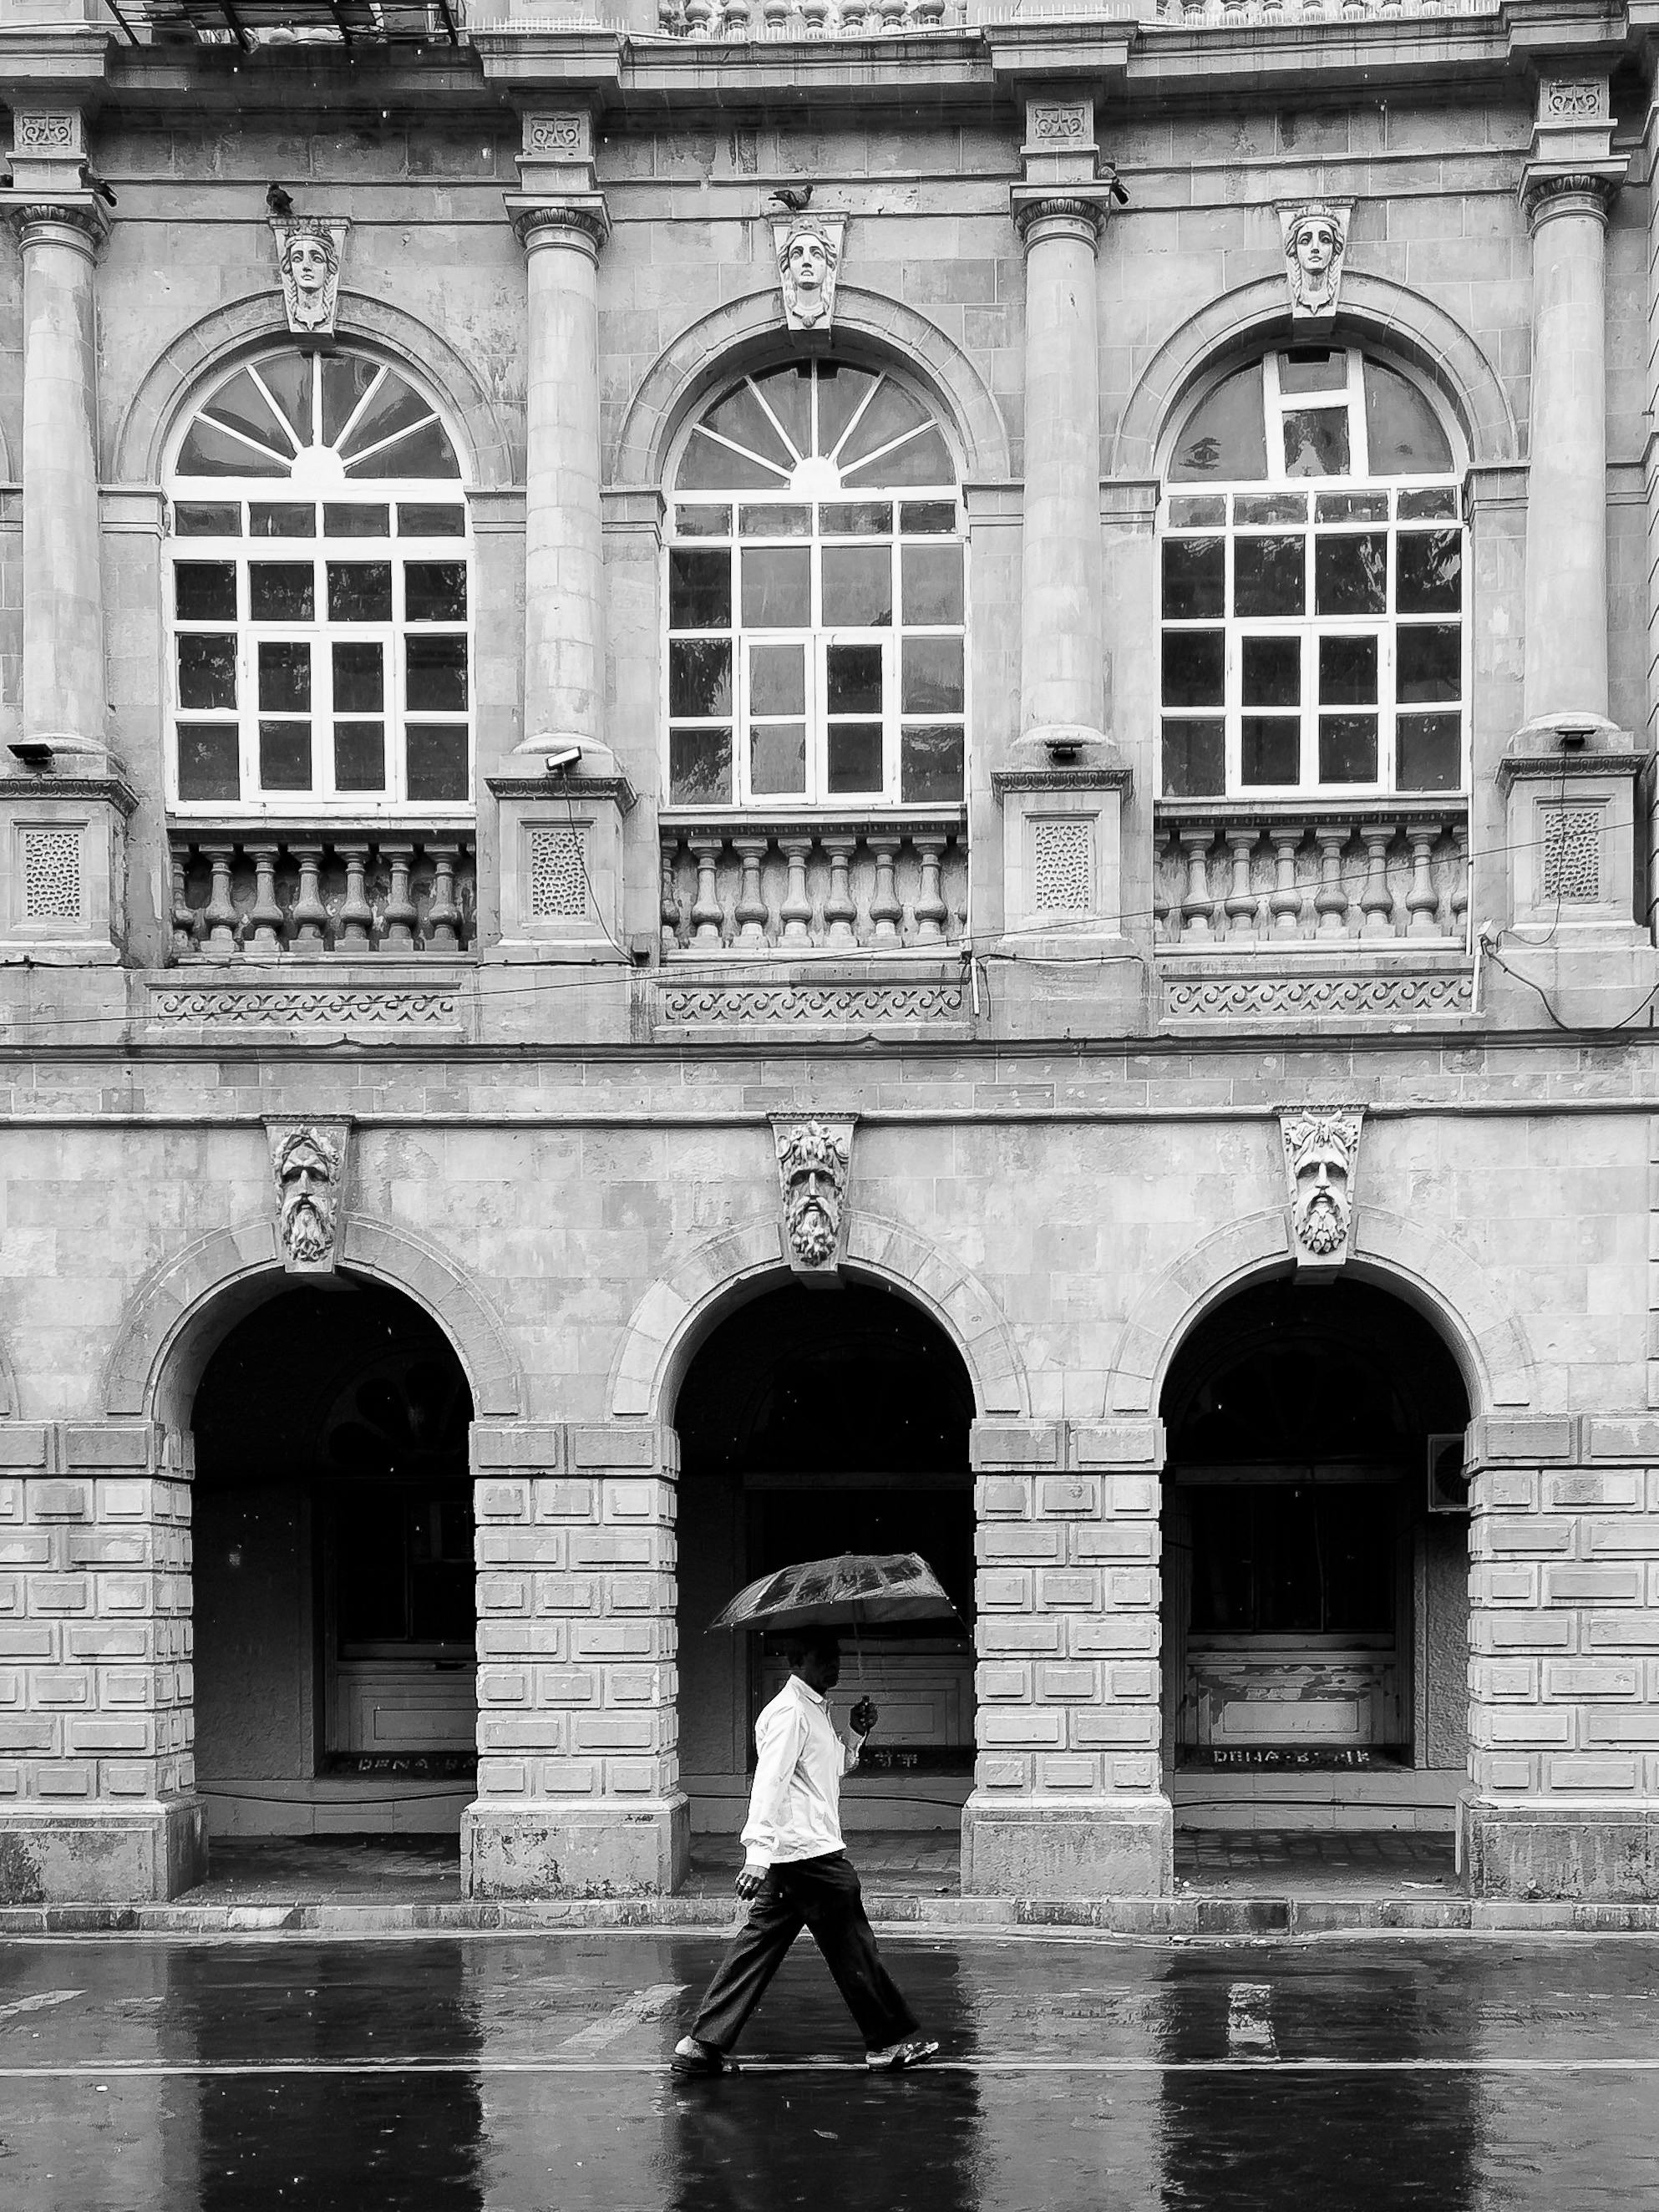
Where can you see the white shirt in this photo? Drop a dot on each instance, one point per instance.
(794, 1810)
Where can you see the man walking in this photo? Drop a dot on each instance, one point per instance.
(796, 1876)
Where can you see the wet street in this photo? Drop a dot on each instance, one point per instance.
(516, 2072)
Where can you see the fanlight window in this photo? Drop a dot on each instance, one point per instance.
(816, 597)
(1313, 631)
(319, 595)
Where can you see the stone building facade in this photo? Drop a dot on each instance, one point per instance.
(934, 830)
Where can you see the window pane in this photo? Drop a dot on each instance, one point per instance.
(287, 377)
(788, 392)
(346, 377)
(710, 466)
(858, 587)
(740, 416)
(921, 460)
(699, 676)
(855, 676)
(699, 768)
(777, 587)
(841, 390)
(1429, 753)
(359, 521)
(1194, 759)
(282, 591)
(1273, 671)
(933, 681)
(395, 406)
(1347, 749)
(777, 520)
(889, 414)
(699, 588)
(1347, 672)
(1194, 667)
(208, 452)
(1316, 441)
(693, 521)
(289, 520)
(285, 755)
(1224, 438)
(932, 583)
(359, 679)
(436, 754)
(1269, 1560)
(1270, 749)
(1313, 369)
(927, 518)
(1429, 662)
(434, 671)
(1430, 579)
(1350, 575)
(1431, 504)
(1194, 578)
(1269, 576)
(360, 591)
(1199, 511)
(285, 679)
(854, 757)
(1270, 506)
(435, 591)
(196, 520)
(777, 680)
(208, 763)
(360, 756)
(207, 672)
(1404, 431)
(423, 452)
(205, 591)
(863, 518)
(1350, 506)
(931, 764)
(242, 405)
(427, 519)
(777, 757)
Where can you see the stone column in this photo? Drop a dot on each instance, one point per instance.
(1067, 1800)
(578, 1758)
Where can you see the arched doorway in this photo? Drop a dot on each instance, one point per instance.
(813, 1421)
(1315, 1601)
(335, 1614)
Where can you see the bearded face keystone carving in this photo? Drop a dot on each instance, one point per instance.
(1322, 1159)
(307, 1163)
(814, 1160)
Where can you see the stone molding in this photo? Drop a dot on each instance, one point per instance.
(674, 1314)
(166, 1318)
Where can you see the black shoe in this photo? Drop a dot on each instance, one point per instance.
(691, 2058)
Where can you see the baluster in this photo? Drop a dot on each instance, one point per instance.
(399, 931)
(699, 18)
(1197, 905)
(815, 14)
(220, 914)
(185, 920)
(1460, 897)
(706, 914)
(1331, 899)
(1423, 900)
(840, 907)
(776, 15)
(736, 23)
(310, 916)
(1285, 902)
(931, 914)
(854, 17)
(1240, 899)
(751, 914)
(443, 915)
(1164, 928)
(885, 911)
(355, 923)
(264, 915)
(1375, 899)
(797, 909)
(671, 896)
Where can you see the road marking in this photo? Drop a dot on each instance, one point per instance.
(633, 2012)
(39, 2004)
(1250, 2021)
(142, 2071)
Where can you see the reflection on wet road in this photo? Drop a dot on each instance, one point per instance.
(500, 2074)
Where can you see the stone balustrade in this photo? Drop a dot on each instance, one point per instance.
(1233, 872)
(730, 20)
(851, 883)
(262, 892)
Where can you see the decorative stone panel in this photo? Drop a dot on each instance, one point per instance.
(561, 864)
(63, 844)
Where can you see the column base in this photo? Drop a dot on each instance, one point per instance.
(628, 1848)
(1603, 1853)
(1094, 1847)
(138, 1855)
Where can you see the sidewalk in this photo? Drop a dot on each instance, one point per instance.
(1228, 1883)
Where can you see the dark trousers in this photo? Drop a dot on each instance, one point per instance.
(824, 1895)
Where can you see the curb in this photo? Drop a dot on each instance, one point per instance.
(1181, 1918)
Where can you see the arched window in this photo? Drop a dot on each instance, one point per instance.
(816, 597)
(319, 595)
(1312, 582)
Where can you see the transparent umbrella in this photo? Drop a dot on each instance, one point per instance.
(855, 1589)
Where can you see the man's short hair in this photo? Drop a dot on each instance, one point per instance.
(804, 1642)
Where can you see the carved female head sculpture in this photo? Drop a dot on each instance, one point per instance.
(808, 266)
(1314, 248)
(310, 263)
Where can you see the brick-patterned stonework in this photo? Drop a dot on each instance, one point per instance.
(578, 1759)
(97, 1772)
(1067, 1798)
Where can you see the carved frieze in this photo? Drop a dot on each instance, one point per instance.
(1573, 99)
(809, 250)
(46, 130)
(815, 1160)
(1320, 1145)
(309, 251)
(303, 1006)
(1303, 998)
(1057, 122)
(1316, 236)
(808, 1006)
(308, 1173)
(559, 137)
